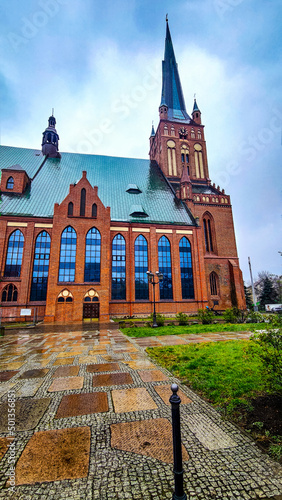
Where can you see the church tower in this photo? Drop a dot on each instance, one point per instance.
(50, 140)
(179, 141)
(179, 148)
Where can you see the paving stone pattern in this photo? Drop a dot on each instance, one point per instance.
(93, 421)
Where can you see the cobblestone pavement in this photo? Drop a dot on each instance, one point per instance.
(93, 422)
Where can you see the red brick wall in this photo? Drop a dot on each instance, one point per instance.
(21, 180)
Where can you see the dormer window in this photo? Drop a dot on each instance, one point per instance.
(10, 183)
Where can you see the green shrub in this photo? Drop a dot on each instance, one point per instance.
(205, 316)
(267, 345)
(182, 318)
(230, 315)
(160, 319)
(255, 317)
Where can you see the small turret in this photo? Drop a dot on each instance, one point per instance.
(196, 113)
(185, 185)
(50, 140)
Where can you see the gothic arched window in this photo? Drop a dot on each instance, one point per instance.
(14, 254)
(171, 157)
(118, 268)
(70, 208)
(94, 211)
(65, 296)
(92, 255)
(67, 255)
(214, 283)
(199, 165)
(10, 183)
(82, 202)
(39, 280)
(10, 293)
(141, 268)
(209, 233)
(164, 255)
(186, 269)
(184, 153)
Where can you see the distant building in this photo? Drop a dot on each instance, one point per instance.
(79, 232)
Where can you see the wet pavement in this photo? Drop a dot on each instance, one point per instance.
(93, 421)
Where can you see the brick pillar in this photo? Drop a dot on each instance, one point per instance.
(27, 263)
(175, 265)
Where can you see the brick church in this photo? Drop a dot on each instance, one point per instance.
(79, 232)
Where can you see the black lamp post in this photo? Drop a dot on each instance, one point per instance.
(151, 278)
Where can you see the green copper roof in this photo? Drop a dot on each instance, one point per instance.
(29, 159)
(51, 180)
(172, 95)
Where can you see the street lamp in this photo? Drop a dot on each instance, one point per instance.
(151, 279)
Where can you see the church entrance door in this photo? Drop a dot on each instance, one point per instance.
(91, 310)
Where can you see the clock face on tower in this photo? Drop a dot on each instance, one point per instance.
(183, 131)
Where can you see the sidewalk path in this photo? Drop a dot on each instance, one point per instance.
(93, 422)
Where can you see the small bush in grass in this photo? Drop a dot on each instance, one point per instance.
(160, 319)
(267, 345)
(255, 317)
(205, 316)
(231, 315)
(182, 318)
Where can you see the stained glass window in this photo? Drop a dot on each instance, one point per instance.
(92, 255)
(141, 268)
(165, 268)
(67, 255)
(38, 289)
(14, 254)
(186, 269)
(118, 268)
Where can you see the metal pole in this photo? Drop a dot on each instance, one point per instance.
(177, 451)
(154, 325)
(253, 288)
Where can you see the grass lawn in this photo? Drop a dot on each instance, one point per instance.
(147, 331)
(229, 378)
(218, 370)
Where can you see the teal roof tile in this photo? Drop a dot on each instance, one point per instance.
(112, 175)
(28, 159)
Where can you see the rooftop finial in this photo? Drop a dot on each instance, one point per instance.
(52, 111)
(195, 96)
(166, 18)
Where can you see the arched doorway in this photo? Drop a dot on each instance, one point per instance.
(91, 305)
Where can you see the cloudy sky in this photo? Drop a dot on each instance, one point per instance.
(99, 65)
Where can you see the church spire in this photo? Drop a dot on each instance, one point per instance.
(172, 95)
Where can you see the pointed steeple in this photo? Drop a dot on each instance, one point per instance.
(153, 133)
(196, 113)
(184, 177)
(195, 107)
(185, 184)
(172, 95)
